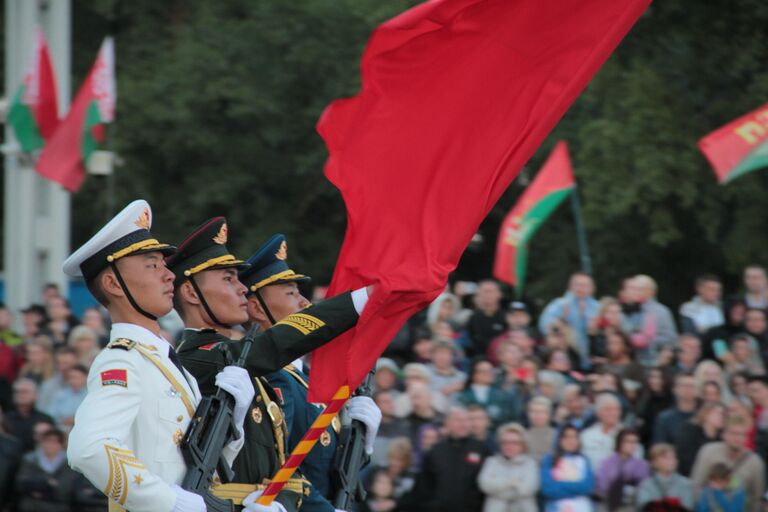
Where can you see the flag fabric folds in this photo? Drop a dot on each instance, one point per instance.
(551, 186)
(33, 112)
(739, 147)
(456, 96)
(64, 157)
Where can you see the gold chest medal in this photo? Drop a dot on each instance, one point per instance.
(325, 438)
(257, 415)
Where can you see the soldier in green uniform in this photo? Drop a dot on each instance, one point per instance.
(273, 295)
(211, 301)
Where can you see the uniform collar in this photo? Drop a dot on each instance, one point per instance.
(140, 335)
(298, 364)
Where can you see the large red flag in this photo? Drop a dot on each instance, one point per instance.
(739, 147)
(456, 97)
(64, 157)
(551, 186)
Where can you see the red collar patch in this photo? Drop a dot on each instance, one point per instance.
(473, 458)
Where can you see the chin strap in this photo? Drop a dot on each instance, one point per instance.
(128, 293)
(264, 307)
(205, 304)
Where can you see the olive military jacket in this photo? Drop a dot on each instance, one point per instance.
(203, 355)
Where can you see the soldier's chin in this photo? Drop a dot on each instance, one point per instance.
(165, 307)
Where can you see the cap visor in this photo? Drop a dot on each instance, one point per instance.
(237, 264)
(164, 249)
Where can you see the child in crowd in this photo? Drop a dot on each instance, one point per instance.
(567, 480)
(719, 495)
(666, 489)
(381, 494)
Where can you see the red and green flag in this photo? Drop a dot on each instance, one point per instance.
(550, 187)
(64, 157)
(739, 147)
(33, 113)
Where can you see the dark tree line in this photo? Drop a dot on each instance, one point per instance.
(217, 103)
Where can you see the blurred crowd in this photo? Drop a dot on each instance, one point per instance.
(612, 403)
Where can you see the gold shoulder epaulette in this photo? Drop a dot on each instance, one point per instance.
(122, 343)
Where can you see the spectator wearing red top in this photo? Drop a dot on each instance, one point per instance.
(758, 395)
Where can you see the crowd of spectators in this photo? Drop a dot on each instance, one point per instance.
(613, 403)
(616, 403)
(43, 375)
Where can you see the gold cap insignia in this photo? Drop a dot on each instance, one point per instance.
(282, 254)
(221, 237)
(257, 415)
(325, 438)
(143, 220)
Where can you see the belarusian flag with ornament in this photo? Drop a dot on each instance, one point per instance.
(551, 186)
(739, 147)
(33, 113)
(64, 157)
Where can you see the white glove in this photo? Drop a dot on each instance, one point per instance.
(187, 501)
(249, 504)
(236, 381)
(363, 409)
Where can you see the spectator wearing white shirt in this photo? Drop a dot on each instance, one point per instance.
(598, 442)
(704, 310)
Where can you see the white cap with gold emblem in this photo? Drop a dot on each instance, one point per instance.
(127, 234)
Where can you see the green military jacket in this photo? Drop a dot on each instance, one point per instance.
(266, 440)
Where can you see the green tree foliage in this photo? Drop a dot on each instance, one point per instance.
(218, 102)
(651, 203)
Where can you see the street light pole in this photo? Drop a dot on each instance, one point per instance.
(37, 211)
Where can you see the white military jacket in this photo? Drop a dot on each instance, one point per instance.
(127, 430)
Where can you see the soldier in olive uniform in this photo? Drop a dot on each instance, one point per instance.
(211, 300)
(273, 295)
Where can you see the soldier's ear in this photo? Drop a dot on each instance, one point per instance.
(109, 284)
(188, 293)
(255, 311)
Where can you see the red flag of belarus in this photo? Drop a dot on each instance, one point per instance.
(456, 97)
(551, 186)
(64, 157)
(739, 147)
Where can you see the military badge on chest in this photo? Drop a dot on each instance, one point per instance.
(256, 415)
(325, 438)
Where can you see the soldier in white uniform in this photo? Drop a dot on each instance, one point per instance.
(140, 400)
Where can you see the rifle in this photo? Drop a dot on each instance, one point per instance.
(351, 456)
(210, 430)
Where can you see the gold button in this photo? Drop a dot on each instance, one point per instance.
(179, 418)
